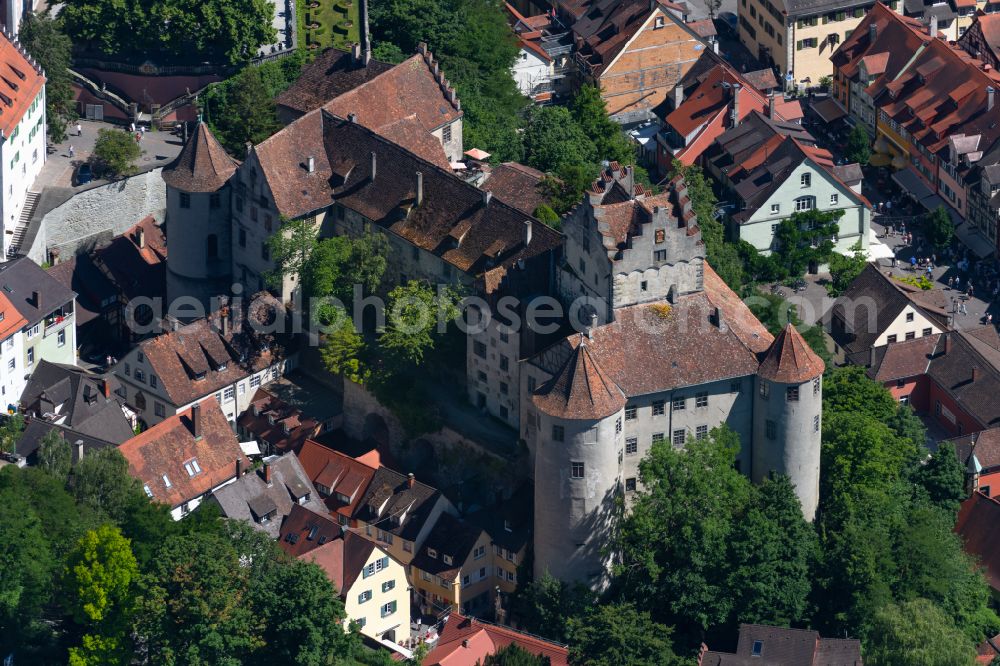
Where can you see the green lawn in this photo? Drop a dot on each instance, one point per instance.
(328, 23)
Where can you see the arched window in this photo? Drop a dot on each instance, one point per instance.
(805, 203)
(212, 244)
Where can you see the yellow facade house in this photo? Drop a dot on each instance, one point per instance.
(799, 36)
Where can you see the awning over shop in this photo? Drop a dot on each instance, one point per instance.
(974, 240)
(911, 184)
(829, 109)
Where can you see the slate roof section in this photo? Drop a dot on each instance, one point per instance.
(158, 455)
(777, 646)
(335, 473)
(305, 529)
(401, 505)
(899, 360)
(453, 221)
(203, 164)
(794, 8)
(466, 641)
(790, 359)
(36, 429)
(580, 389)
(517, 185)
(77, 399)
(289, 486)
(20, 83)
(342, 559)
(330, 75)
(452, 538)
(79, 274)
(977, 524)
(969, 370)
(508, 521)
(21, 278)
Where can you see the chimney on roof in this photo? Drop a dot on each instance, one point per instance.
(310, 164)
(975, 373)
(249, 146)
(196, 420)
(871, 357)
(267, 472)
(352, 117)
(719, 319)
(224, 316)
(678, 95)
(373, 165)
(79, 450)
(934, 27)
(736, 104)
(593, 325)
(872, 31)
(36, 299)
(355, 54)
(527, 232)
(106, 388)
(715, 46)
(770, 105)
(420, 188)
(990, 97)
(410, 480)
(947, 343)
(487, 196)
(465, 642)
(239, 467)
(140, 238)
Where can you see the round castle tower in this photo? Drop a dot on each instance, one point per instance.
(788, 405)
(577, 473)
(198, 225)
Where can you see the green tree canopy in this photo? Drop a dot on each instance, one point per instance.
(544, 606)
(554, 140)
(102, 482)
(11, 428)
(943, 477)
(217, 31)
(413, 315)
(619, 635)
(858, 145)
(513, 655)
(938, 228)
(99, 578)
(55, 454)
(116, 152)
(916, 633)
(44, 39)
(845, 268)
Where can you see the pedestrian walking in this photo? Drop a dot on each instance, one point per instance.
(989, 318)
(131, 127)
(79, 130)
(142, 130)
(951, 282)
(71, 152)
(969, 292)
(138, 137)
(958, 282)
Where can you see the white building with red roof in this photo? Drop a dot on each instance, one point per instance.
(22, 132)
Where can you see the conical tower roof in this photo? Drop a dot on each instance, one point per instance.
(580, 389)
(202, 166)
(790, 360)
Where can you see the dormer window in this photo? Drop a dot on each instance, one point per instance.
(658, 23)
(192, 467)
(166, 481)
(757, 649)
(270, 419)
(343, 499)
(432, 553)
(447, 559)
(149, 493)
(507, 527)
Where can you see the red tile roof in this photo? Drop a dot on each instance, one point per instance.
(580, 389)
(136, 261)
(790, 359)
(467, 642)
(304, 530)
(11, 320)
(336, 473)
(985, 445)
(517, 185)
(342, 559)
(979, 526)
(159, 454)
(330, 75)
(265, 408)
(21, 81)
(900, 360)
(202, 166)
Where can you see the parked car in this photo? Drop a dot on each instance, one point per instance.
(84, 174)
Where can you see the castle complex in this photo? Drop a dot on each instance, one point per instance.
(662, 348)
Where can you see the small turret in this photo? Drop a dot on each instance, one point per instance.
(787, 412)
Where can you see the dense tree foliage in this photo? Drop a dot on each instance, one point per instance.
(916, 633)
(858, 145)
(216, 31)
(55, 454)
(938, 228)
(844, 268)
(44, 39)
(512, 655)
(115, 153)
(94, 575)
(241, 109)
(545, 606)
(619, 635)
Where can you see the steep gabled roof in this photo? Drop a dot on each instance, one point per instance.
(401, 504)
(22, 279)
(340, 473)
(467, 641)
(21, 80)
(580, 389)
(779, 646)
(202, 166)
(330, 75)
(305, 529)
(161, 456)
(342, 559)
(452, 538)
(790, 359)
(985, 445)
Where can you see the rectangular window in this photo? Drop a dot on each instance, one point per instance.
(890, 339)
(254, 381)
(504, 363)
(243, 237)
(630, 485)
(214, 200)
(558, 433)
(909, 317)
(576, 470)
(631, 446)
(446, 134)
(364, 596)
(658, 408)
(805, 179)
(792, 394)
(911, 335)
(701, 432)
(764, 389)
(660, 255)
(229, 393)
(834, 198)
(816, 385)
(925, 332)
(61, 338)
(185, 200)
(816, 423)
(479, 349)
(618, 425)
(630, 412)
(265, 252)
(735, 387)
(678, 404)
(775, 209)
(158, 409)
(140, 376)
(153, 381)
(771, 429)
(679, 437)
(31, 356)
(701, 400)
